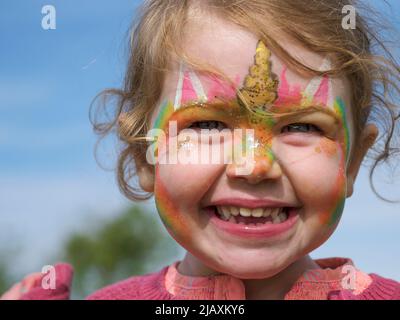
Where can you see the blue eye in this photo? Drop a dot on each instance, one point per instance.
(301, 127)
(208, 125)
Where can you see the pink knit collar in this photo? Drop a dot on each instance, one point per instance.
(313, 284)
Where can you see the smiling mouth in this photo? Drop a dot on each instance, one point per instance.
(255, 216)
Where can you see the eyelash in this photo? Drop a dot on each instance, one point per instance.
(208, 125)
(305, 125)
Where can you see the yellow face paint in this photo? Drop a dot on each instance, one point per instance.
(260, 92)
(260, 88)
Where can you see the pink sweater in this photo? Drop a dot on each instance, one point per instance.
(325, 283)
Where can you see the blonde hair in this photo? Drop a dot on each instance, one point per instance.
(359, 54)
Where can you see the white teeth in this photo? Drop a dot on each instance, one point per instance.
(234, 210)
(221, 213)
(257, 212)
(275, 213)
(267, 212)
(245, 212)
(276, 219)
(228, 213)
(283, 216)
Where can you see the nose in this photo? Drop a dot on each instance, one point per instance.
(261, 167)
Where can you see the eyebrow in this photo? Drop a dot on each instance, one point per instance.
(309, 110)
(292, 111)
(204, 104)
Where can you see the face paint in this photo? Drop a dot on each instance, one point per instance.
(286, 94)
(208, 98)
(219, 89)
(341, 111)
(321, 96)
(169, 212)
(165, 113)
(319, 89)
(260, 86)
(189, 88)
(319, 92)
(259, 92)
(332, 217)
(153, 135)
(328, 147)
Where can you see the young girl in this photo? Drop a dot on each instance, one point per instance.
(248, 121)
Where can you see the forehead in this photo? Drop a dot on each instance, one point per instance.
(231, 50)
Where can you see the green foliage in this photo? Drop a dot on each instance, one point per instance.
(131, 244)
(8, 252)
(4, 282)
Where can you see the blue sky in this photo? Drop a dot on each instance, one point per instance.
(50, 184)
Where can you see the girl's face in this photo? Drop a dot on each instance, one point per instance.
(297, 174)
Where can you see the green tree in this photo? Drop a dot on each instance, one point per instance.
(131, 244)
(4, 278)
(8, 253)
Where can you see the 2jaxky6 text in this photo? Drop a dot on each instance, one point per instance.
(201, 310)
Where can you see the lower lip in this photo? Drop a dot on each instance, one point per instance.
(265, 230)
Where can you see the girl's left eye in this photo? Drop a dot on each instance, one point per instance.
(208, 125)
(301, 127)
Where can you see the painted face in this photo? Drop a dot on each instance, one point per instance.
(301, 137)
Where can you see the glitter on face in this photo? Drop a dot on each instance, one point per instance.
(261, 89)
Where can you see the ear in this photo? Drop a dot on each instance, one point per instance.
(146, 177)
(368, 137)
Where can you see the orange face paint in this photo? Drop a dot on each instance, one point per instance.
(328, 147)
(261, 92)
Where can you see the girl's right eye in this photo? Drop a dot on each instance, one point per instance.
(208, 125)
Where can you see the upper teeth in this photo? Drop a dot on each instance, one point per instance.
(227, 211)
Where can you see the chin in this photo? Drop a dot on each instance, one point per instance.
(255, 271)
(249, 267)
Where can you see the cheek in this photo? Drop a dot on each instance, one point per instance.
(167, 193)
(179, 189)
(317, 173)
(186, 183)
(189, 169)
